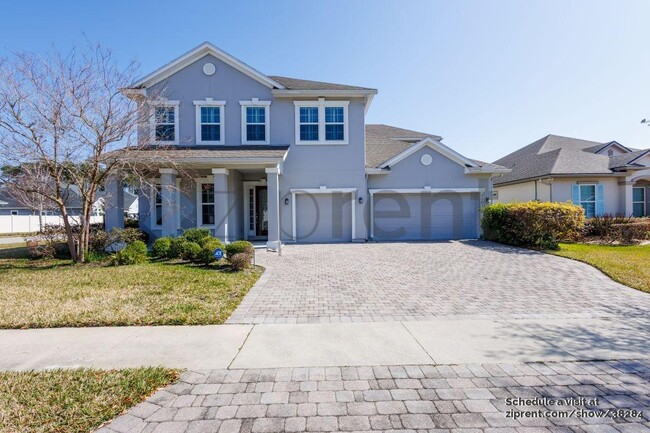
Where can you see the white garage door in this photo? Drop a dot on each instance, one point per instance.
(425, 216)
(324, 217)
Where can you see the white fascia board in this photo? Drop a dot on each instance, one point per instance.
(377, 171)
(197, 53)
(481, 170)
(316, 93)
(435, 145)
(322, 190)
(425, 189)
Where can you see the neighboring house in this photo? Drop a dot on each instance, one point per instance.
(10, 206)
(271, 158)
(603, 178)
(131, 208)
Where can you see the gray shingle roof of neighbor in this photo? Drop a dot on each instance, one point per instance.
(557, 155)
(384, 142)
(201, 152)
(300, 84)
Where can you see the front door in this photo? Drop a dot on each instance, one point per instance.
(261, 211)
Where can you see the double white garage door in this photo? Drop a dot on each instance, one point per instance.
(396, 216)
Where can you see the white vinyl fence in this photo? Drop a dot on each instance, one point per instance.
(30, 223)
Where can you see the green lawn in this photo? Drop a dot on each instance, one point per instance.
(73, 401)
(629, 265)
(57, 293)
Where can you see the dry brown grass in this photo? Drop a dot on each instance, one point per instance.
(56, 293)
(73, 401)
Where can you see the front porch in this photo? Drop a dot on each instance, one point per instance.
(235, 200)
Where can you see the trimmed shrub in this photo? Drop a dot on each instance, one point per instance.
(206, 240)
(133, 254)
(602, 226)
(533, 224)
(240, 261)
(128, 235)
(161, 247)
(206, 255)
(196, 234)
(239, 247)
(176, 247)
(638, 229)
(190, 251)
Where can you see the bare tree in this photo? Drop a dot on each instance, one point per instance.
(59, 117)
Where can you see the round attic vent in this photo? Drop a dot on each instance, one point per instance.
(209, 69)
(426, 159)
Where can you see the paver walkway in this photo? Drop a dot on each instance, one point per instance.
(421, 281)
(469, 398)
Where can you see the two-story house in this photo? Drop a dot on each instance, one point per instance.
(260, 157)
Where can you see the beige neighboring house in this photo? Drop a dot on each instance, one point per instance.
(603, 178)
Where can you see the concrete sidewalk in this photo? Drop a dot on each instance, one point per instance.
(332, 344)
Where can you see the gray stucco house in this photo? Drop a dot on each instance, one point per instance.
(277, 159)
(603, 178)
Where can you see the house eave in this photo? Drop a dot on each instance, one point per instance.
(289, 93)
(563, 175)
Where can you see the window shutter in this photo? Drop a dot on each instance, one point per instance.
(600, 200)
(575, 194)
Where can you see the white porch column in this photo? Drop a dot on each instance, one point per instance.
(169, 206)
(273, 185)
(626, 197)
(221, 203)
(114, 203)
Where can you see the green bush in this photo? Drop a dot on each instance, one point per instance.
(161, 247)
(206, 255)
(206, 240)
(533, 224)
(239, 247)
(176, 247)
(133, 254)
(190, 251)
(196, 234)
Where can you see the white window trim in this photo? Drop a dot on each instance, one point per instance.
(209, 102)
(152, 203)
(321, 103)
(176, 105)
(267, 117)
(199, 203)
(581, 201)
(644, 201)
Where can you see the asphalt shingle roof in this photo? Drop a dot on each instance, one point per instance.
(300, 84)
(199, 152)
(556, 155)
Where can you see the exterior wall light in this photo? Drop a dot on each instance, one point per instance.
(360, 200)
(286, 201)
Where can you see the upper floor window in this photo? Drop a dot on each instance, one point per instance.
(321, 122)
(210, 123)
(255, 128)
(165, 123)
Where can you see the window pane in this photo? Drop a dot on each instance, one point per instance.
(333, 132)
(164, 114)
(210, 115)
(590, 209)
(308, 114)
(638, 209)
(638, 194)
(255, 115)
(309, 132)
(165, 133)
(158, 215)
(334, 114)
(207, 214)
(587, 192)
(210, 132)
(255, 132)
(207, 193)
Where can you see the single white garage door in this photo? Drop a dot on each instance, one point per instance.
(425, 216)
(324, 217)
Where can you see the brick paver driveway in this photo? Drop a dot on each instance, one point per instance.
(419, 281)
(605, 397)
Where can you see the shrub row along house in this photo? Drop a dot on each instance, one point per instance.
(279, 159)
(603, 178)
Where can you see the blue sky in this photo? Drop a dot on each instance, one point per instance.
(488, 76)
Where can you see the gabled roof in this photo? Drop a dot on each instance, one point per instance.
(299, 84)
(175, 153)
(388, 144)
(557, 155)
(206, 48)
